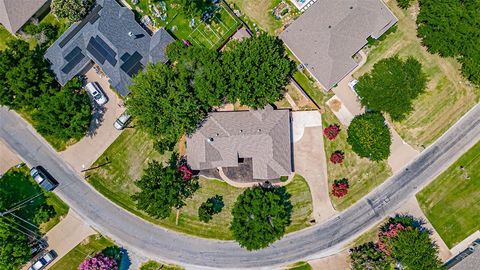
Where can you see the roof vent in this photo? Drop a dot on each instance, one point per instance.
(259, 130)
(130, 34)
(210, 140)
(241, 130)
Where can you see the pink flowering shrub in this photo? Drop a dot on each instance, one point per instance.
(99, 262)
(389, 231)
(185, 172)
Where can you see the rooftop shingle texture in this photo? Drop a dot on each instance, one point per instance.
(330, 32)
(117, 31)
(262, 135)
(15, 13)
(471, 262)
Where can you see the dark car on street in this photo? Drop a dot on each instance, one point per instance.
(43, 178)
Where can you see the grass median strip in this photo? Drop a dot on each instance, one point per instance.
(132, 151)
(451, 202)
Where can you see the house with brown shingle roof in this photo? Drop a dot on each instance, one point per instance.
(225, 139)
(327, 36)
(15, 13)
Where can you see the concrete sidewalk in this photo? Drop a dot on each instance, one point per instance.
(401, 153)
(8, 158)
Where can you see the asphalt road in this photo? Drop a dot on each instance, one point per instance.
(315, 242)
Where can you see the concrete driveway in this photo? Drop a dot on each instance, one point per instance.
(310, 161)
(8, 158)
(401, 153)
(101, 132)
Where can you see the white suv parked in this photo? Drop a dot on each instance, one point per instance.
(96, 92)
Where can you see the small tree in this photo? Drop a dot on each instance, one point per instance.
(163, 187)
(73, 10)
(340, 187)
(99, 262)
(212, 206)
(332, 131)
(337, 157)
(369, 136)
(260, 216)
(368, 256)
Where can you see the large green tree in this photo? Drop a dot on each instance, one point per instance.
(260, 216)
(414, 249)
(452, 29)
(368, 256)
(14, 248)
(66, 113)
(369, 136)
(73, 10)
(193, 8)
(163, 188)
(257, 70)
(392, 86)
(24, 75)
(164, 103)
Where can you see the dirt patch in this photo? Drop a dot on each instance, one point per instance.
(335, 105)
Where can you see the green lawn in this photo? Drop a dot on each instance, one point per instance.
(153, 265)
(19, 182)
(258, 12)
(363, 175)
(5, 36)
(77, 255)
(211, 35)
(448, 96)
(299, 266)
(130, 153)
(451, 202)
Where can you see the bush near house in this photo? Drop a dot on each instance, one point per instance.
(369, 136)
(212, 206)
(260, 216)
(332, 131)
(392, 86)
(73, 10)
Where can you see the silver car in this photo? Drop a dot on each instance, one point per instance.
(43, 261)
(122, 121)
(96, 92)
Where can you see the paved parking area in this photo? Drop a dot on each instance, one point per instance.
(101, 133)
(8, 158)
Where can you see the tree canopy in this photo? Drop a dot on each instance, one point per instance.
(452, 29)
(193, 8)
(260, 216)
(14, 248)
(257, 70)
(367, 256)
(392, 86)
(163, 188)
(65, 114)
(73, 10)
(369, 136)
(212, 206)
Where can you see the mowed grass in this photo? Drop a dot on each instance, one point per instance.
(363, 175)
(299, 266)
(451, 202)
(90, 246)
(153, 265)
(259, 12)
(448, 96)
(130, 154)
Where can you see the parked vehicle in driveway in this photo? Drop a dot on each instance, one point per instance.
(43, 261)
(94, 89)
(42, 178)
(352, 84)
(122, 121)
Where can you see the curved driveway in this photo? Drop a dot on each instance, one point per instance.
(314, 242)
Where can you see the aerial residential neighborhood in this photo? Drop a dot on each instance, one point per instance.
(239, 134)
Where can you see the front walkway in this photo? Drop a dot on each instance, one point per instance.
(310, 161)
(101, 133)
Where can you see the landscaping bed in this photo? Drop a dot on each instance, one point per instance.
(448, 95)
(129, 155)
(451, 201)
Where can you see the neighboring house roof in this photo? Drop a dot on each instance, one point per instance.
(111, 37)
(262, 135)
(467, 259)
(330, 32)
(15, 13)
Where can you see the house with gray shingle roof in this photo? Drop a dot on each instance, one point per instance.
(226, 138)
(327, 36)
(15, 13)
(111, 37)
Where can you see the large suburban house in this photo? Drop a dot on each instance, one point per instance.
(327, 36)
(15, 13)
(110, 37)
(228, 139)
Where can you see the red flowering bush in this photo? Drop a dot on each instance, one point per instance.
(340, 187)
(337, 157)
(185, 172)
(332, 131)
(99, 262)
